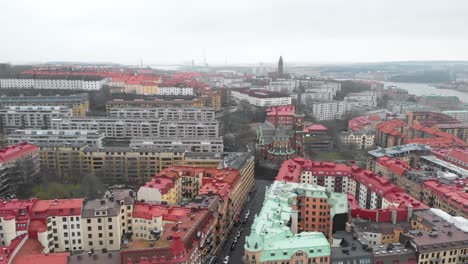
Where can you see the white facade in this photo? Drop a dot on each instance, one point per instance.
(35, 117)
(164, 113)
(60, 83)
(262, 99)
(367, 99)
(173, 90)
(461, 115)
(90, 137)
(282, 86)
(361, 140)
(64, 233)
(328, 110)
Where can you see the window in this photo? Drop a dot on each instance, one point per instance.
(109, 220)
(89, 228)
(100, 235)
(64, 219)
(90, 243)
(88, 221)
(111, 242)
(101, 242)
(99, 227)
(110, 227)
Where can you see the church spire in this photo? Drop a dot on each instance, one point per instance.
(280, 65)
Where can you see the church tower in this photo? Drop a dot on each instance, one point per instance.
(280, 65)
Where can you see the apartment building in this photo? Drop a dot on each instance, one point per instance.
(57, 224)
(166, 113)
(59, 82)
(408, 152)
(439, 165)
(115, 128)
(441, 102)
(356, 101)
(101, 221)
(79, 103)
(437, 238)
(189, 129)
(328, 110)
(453, 199)
(262, 97)
(126, 164)
(31, 117)
(277, 235)
(19, 164)
(362, 139)
(33, 136)
(208, 98)
(214, 144)
(175, 90)
(370, 190)
(182, 235)
(460, 115)
(14, 219)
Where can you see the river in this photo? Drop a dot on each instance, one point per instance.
(426, 89)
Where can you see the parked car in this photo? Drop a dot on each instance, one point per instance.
(238, 234)
(226, 260)
(233, 245)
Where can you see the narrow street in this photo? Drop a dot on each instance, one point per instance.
(254, 205)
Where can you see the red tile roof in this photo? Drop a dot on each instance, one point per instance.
(395, 165)
(14, 152)
(31, 253)
(454, 195)
(58, 207)
(17, 209)
(358, 123)
(162, 183)
(286, 110)
(8, 253)
(316, 127)
(168, 213)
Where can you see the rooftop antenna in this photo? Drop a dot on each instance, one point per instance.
(141, 62)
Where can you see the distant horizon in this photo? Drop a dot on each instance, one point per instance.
(240, 63)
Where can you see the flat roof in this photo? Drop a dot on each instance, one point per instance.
(446, 164)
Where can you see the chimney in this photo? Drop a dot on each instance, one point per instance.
(394, 217)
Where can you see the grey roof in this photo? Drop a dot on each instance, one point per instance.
(134, 149)
(40, 98)
(91, 206)
(61, 144)
(97, 258)
(125, 195)
(236, 160)
(346, 252)
(398, 150)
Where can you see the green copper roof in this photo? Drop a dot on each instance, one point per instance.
(273, 232)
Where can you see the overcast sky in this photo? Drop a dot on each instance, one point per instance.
(236, 31)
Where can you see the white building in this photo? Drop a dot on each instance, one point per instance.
(262, 97)
(366, 99)
(207, 113)
(362, 140)
(175, 90)
(282, 85)
(461, 115)
(316, 95)
(328, 110)
(33, 136)
(67, 82)
(211, 144)
(33, 117)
